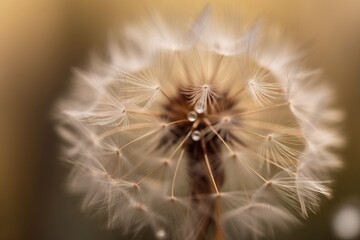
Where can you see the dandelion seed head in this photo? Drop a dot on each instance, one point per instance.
(201, 131)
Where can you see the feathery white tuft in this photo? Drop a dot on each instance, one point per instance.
(174, 107)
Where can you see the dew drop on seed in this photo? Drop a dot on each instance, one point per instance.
(192, 116)
(200, 107)
(195, 135)
(161, 234)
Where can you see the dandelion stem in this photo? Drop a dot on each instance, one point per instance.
(256, 173)
(138, 139)
(181, 144)
(218, 231)
(203, 146)
(253, 170)
(167, 97)
(171, 156)
(237, 93)
(208, 123)
(175, 173)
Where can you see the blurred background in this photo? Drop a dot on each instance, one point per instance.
(40, 42)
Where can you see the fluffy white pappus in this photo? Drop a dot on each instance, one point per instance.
(209, 131)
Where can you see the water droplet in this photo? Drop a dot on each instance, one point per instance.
(161, 234)
(195, 135)
(200, 107)
(192, 116)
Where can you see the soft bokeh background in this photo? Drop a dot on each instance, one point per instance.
(41, 40)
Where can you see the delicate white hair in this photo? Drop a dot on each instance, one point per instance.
(130, 163)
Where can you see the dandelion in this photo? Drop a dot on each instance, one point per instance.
(201, 133)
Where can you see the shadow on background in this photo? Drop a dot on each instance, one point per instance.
(40, 41)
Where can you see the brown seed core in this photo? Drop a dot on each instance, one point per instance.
(208, 144)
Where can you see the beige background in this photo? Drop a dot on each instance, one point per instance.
(40, 40)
